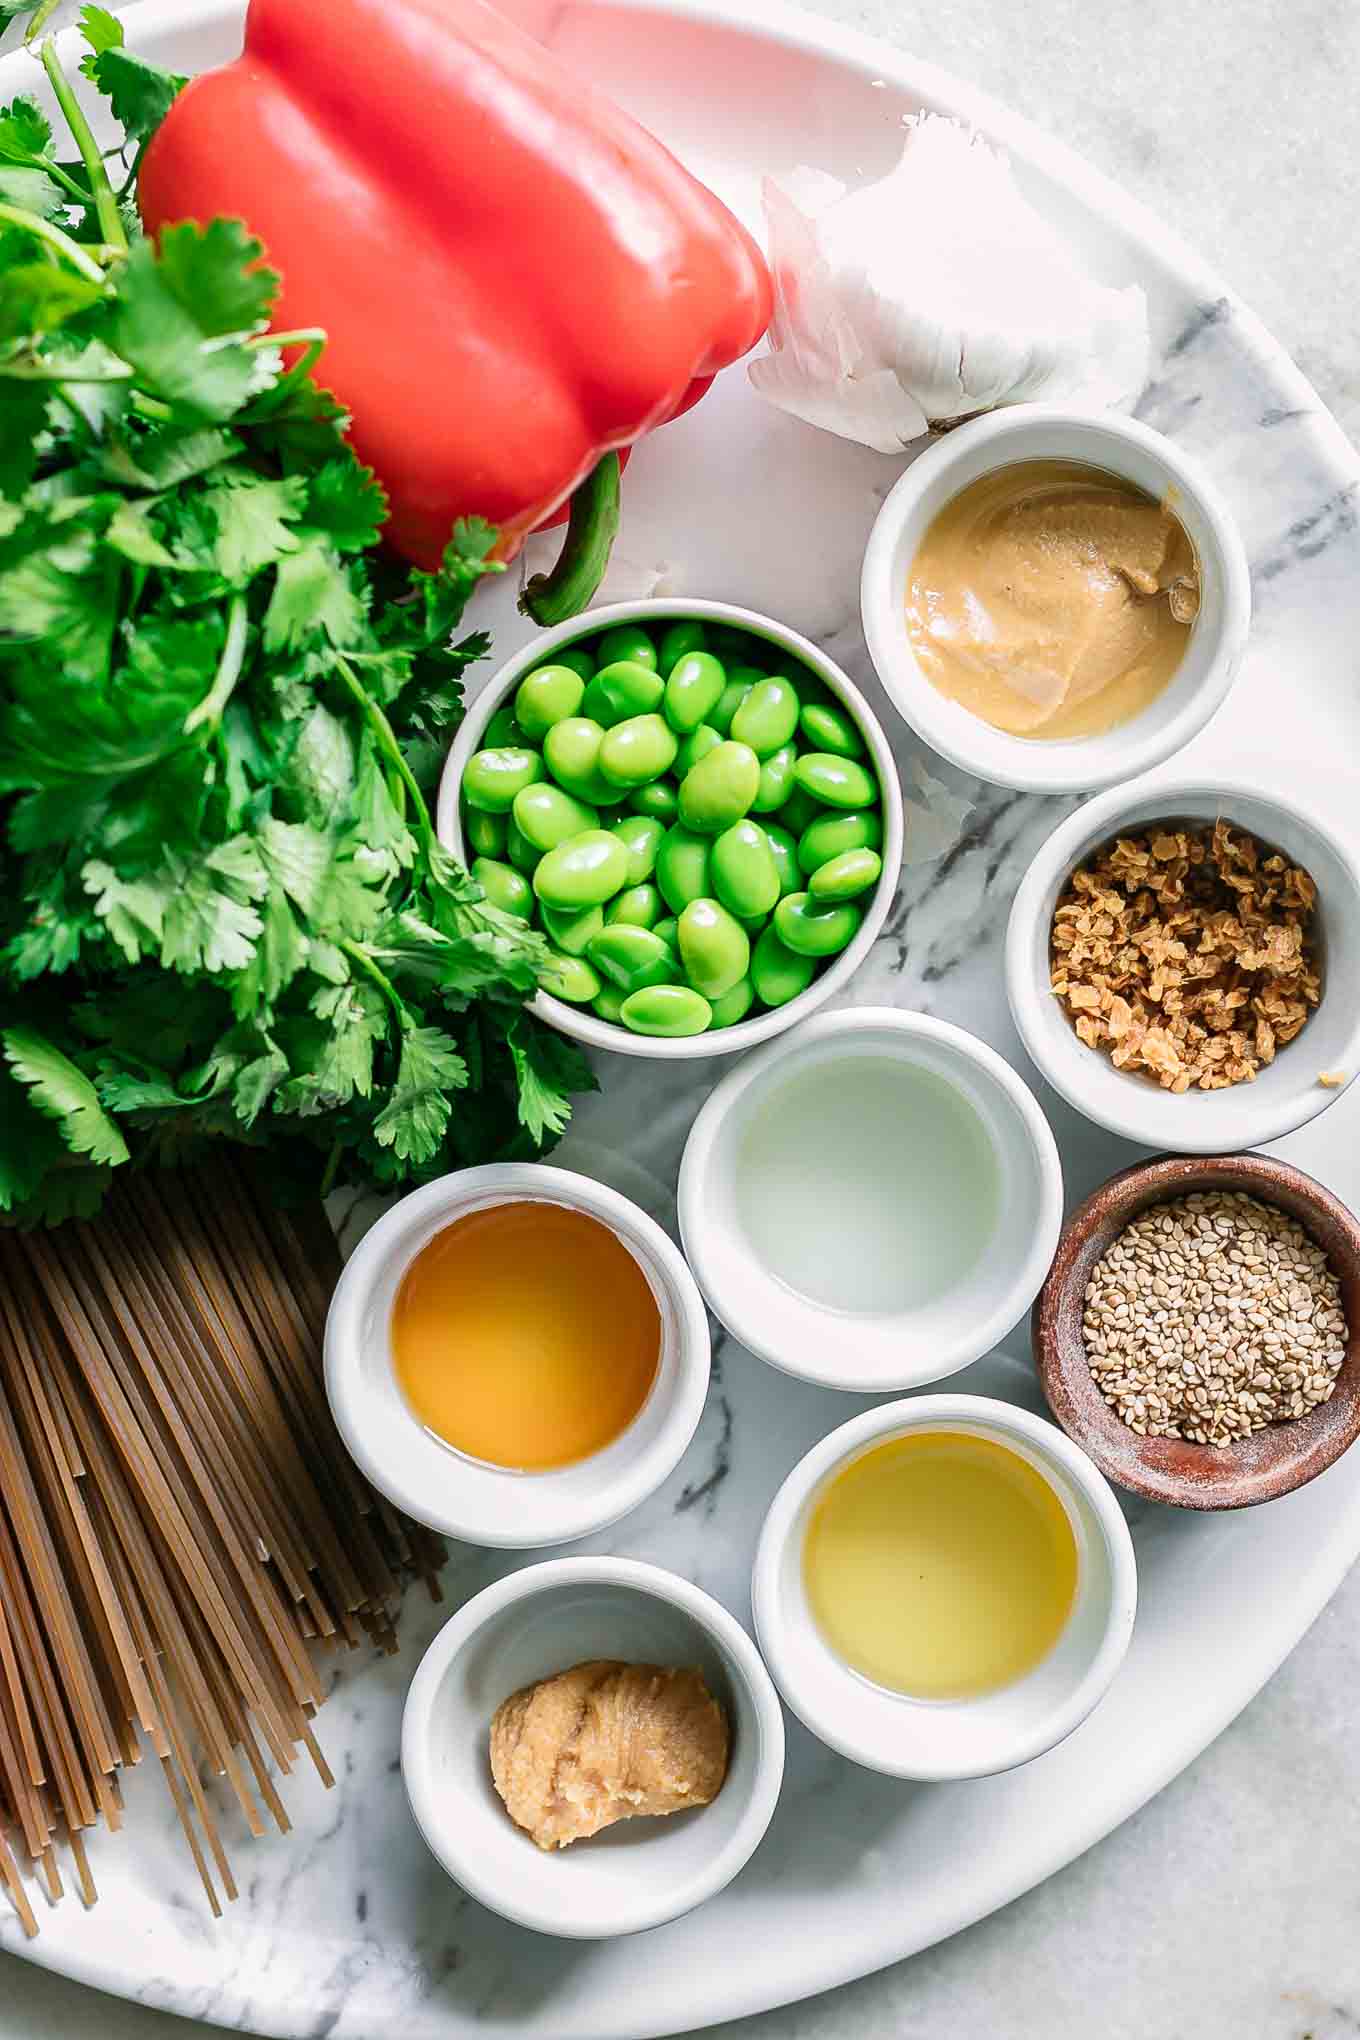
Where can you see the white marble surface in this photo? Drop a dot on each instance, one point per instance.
(1227, 1908)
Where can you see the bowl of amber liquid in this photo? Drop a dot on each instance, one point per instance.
(516, 1355)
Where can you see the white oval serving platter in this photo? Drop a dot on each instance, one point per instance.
(348, 1927)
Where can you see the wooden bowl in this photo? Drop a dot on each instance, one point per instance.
(1189, 1476)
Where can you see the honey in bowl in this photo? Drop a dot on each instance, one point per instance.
(941, 1565)
(526, 1335)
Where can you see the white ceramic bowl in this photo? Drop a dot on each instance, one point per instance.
(874, 1353)
(1285, 1094)
(463, 1497)
(1122, 447)
(941, 1739)
(543, 1620)
(580, 1022)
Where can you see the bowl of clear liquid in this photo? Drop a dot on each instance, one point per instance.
(872, 1201)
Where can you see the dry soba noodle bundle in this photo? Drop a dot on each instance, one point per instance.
(178, 1519)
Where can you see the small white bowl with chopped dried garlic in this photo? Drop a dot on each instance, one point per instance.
(1153, 1031)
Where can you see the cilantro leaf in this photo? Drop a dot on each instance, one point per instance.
(210, 923)
(414, 1120)
(164, 336)
(132, 910)
(62, 1091)
(25, 132)
(347, 503)
(249, 513)
(140, 93)
(314, 595)
(548, 1068)
(215, 273)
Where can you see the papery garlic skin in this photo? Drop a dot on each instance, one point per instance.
(934, 294)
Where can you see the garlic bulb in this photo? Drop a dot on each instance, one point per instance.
(934, 294)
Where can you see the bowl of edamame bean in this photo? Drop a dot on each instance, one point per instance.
(698, 810)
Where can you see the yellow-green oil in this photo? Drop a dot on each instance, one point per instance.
(941, 1565)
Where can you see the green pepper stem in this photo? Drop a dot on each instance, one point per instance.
(101, 191)
(591, 530)
(71, 251)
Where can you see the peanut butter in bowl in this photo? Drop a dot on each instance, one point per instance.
(1052, 599)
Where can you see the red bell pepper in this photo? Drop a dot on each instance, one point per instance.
(514, 278)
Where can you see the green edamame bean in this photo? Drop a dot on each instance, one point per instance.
(776, 781)
(637, 751)
(571, 752)
(688, 635)
(545, 816)
(627, 641)
(745, 875)
(633, 958)
(799, 810)
(622, 689)
(828, 728)
(740, 681)
(768, 716)
(846, 876)
(661, 799)
(668, 931)
(777, 974)
(693, 687)
(666, 1010)
(733, 1005)
(785, 853)
(815, 927)
(714, 947)
(519, 851)
(491, 779)
(572, 930)
(502, 730)
(569, 977)
(506, 888)
(682, 867)
(837, 782)
(641, 836)
(485, 833)
(608, 1003)
(639, 907)
(546, 696)
(719, 789)
(585, 871)
(695, 746)
(579, 659)
(832, 835)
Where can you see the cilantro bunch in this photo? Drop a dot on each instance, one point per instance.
(224, 911)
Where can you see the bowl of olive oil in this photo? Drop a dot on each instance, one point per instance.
(945, 1587)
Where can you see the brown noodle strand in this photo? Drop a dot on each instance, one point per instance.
(177, 1518)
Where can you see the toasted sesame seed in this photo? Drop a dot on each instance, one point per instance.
(1211, 1317)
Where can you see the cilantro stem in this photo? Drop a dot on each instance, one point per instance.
(388, 745)
(332, 1169)
(71, 250)
(357, 954)
(102, 192)
(51, 168)
(45, 11)
(23, 371)
(228, 670)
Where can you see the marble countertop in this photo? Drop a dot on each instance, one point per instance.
(1228, 1906)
